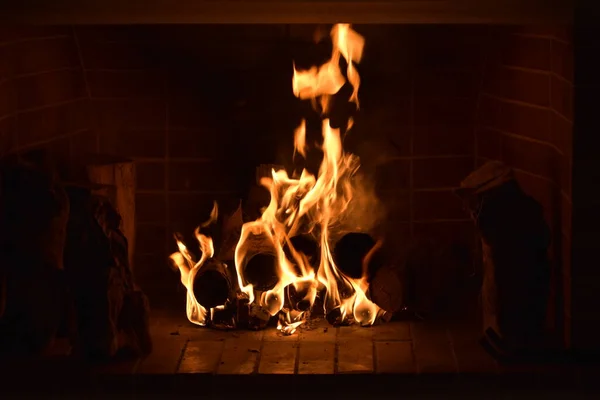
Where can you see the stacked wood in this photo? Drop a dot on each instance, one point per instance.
(118, 173)
(33, 220)
(112, 313)
(515, 240)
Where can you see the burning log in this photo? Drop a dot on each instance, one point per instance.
(350, 251)
(308, 246)
(387, 289)
(261, 271)
(301, 295)
(337, 318)
(251, 316)
(223, 317)
(515, 240)
(212, 285)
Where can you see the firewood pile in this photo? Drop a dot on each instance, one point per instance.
(215, 286)
(64, 271)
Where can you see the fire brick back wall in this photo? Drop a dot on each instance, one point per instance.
(43, 100)
(525, 119)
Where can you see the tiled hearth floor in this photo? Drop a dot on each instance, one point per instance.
(408, 358)
(397, 347)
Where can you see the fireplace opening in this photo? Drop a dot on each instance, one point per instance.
(435, 209)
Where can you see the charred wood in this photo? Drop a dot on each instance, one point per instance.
(223, 317)
(261, 271)
(301, 295)
(212, 286)
(386, 289)
(251, 316)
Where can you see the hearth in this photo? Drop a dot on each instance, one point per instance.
(276, 198)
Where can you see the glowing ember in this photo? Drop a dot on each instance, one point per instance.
(306, 205)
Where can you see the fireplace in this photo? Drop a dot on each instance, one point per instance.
(197, 107)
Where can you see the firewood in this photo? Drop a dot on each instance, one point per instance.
(259, 317)
(33, 220)
(119, 173)
(223, 317)
(335, 317)
(387, 288)
(112, 313)
(212, 286)
(261, 271)
(350, 251)
(515, 240)
(299, 295)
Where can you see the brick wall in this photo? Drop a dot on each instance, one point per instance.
(197, 108)
(432, 82)
(525, 118)
(42, 93)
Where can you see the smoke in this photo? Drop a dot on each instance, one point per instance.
(365, 211)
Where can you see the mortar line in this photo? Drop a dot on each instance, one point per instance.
(336, 351)
(33, 39)
(46, 106)
(47, 71)
(181, 355)
(88, 90)
(167, 162)
(297, 360)
(413, 348)
(411, 145)
(452, 350)
(374, 353)
(259, 357)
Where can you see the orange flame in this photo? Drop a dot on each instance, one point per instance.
(297, 206)
(188, 268)
(312, 203)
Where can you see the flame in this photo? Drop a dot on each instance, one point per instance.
(285, 324)
(188, 268)
(312, 204)
(305, 204)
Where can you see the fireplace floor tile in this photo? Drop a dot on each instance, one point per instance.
(434, 358)
(398, 347)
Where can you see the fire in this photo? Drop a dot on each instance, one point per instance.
(303, 205)
(188, 268)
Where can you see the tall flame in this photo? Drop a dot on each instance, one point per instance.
(306, 205)
(313, 204)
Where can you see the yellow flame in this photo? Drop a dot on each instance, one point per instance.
(310, 202)
(188, 268)
(297, 205)
(300, 139)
